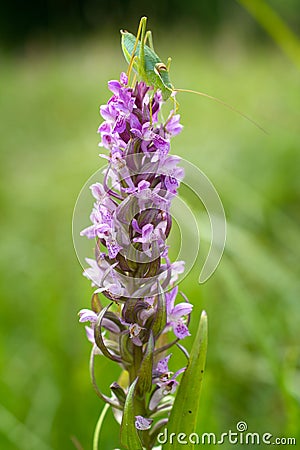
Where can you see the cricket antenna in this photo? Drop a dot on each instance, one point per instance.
(191, 91)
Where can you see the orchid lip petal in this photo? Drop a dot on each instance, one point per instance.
(180, 329)
(142, 423)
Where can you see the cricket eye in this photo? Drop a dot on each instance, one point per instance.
(161, 67)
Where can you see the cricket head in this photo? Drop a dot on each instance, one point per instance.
(163, 80)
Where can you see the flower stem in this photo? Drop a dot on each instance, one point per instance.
(98, 427)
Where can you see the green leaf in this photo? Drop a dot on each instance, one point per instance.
(161, 314)
(129, 436)
(144, 383)
(183, 418)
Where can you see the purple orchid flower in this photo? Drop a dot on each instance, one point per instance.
(162, 367)
(176, 313)
(148, 197)
(150, 235)
(166, 385)
(132, 211)
(87, 315)
(149, 138)
(141, 423)
(102, 274)
(173, 125)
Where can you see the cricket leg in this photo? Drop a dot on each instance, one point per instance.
(169, 63)
(149, 39)
(141, 32)
(143, 24)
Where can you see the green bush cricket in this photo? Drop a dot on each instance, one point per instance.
(143, 59)
(150, 69)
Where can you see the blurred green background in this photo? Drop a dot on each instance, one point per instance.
(56, 58)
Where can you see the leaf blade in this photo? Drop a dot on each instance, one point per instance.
(129, 436)
(183, 418)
